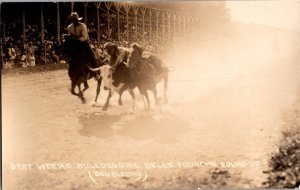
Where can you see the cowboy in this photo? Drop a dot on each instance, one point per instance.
(141, 54)
(23, 60)
(30, 54)
(117, 54)
(79, 32)
(11, 55)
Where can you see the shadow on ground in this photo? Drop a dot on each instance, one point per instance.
(164, 128)
(98, 124)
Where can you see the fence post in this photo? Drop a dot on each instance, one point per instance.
(143, 29)
(2, 41)
(184, 27)
(108, 6)
(179, 25)
(127, 9)
(98, 20)
(163, 27)
(85, 4)
(24, 25)
(174, 25)
(118, 7)
(3, 26)
(150, 30)
(169, 26)
(136, 10)
(157, 26)
(72, 7)
(42, 24)
(58, 22)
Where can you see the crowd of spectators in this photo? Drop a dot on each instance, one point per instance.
(19, 53)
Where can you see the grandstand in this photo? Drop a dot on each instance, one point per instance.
(153, 24)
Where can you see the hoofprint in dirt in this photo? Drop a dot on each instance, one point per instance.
(221, 108)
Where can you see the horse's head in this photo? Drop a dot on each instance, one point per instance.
(66, 45)
(70, 48)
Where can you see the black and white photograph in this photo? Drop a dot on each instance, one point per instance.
(125, 95)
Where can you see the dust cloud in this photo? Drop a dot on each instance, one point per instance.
(240, 52)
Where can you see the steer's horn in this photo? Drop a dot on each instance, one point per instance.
(94, 69)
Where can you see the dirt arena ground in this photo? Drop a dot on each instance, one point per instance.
(224, 105)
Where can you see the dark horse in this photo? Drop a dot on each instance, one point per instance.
(78, 71)
(147, 70)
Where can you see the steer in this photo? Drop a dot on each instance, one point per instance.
(144, 70)
(116, 79)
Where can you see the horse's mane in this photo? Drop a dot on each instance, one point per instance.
(70, 46)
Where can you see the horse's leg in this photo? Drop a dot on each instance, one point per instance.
(147, 99)
(131, 92)
(120, 102)
(121, 93)
(166, 79)
(105, 107)
(73, 85)
(142, 93)
(82, 98)
(144, 101)
(86, 86)
(98, 89)
(154, 90)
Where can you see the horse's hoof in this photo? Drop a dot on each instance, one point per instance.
(131, 112)
(95, 104)
(157, 103)
(105, 108)
(83, 100)
(120, 103)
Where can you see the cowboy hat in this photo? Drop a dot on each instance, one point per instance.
(74, 15)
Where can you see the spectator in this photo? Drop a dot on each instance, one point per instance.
(42, 53)
(11, 55)
(30, 55)
(23, 60)
(52, 54)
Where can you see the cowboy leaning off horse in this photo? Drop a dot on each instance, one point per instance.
(78, 31)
